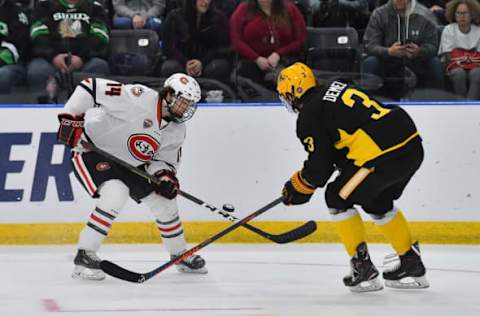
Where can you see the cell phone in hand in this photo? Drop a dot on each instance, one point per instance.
(406, 41)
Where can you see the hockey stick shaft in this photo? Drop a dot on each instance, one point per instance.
(292, 235)
(116, 271)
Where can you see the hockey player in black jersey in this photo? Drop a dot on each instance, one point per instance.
(376, 151)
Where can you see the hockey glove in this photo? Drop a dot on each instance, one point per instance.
(70, 129)
(168, 186)
(297, 190)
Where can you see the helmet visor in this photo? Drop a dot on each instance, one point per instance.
(182, 109)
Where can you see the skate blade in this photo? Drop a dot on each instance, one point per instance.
(367, 286)
(185, 269)
(88, 274)
(408, 283)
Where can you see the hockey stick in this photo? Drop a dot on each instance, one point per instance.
(116, 271)
(292, 235)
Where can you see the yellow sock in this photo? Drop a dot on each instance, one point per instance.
(351, 230)
(396, 230)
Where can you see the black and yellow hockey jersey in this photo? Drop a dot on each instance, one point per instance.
(61, 27)
(340, 124)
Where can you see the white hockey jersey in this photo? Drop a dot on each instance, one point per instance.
(125, 120)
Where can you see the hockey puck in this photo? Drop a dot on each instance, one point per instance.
(228, 207)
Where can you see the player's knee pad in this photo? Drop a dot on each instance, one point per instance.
(339, 215)
(162, 208)
(333, 200)
(113, 195)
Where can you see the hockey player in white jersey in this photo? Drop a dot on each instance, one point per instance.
(145, 128)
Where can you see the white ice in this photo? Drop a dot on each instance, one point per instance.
(255, 280)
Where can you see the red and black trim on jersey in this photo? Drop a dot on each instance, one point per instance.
(83, 174)
(159, 111)
(90, 85)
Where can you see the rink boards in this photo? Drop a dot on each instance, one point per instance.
(240, 154)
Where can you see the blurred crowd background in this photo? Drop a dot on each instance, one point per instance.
(395, 49)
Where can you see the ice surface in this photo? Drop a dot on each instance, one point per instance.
(260, 280)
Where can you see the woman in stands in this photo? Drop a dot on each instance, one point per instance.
(460, 47)
(267, 35)
(196, 41)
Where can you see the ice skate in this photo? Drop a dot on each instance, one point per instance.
(364, 275)
(192, 264)
(87, 266)
(408, 272)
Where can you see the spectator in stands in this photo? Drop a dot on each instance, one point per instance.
(428, 8)
(340, 13)
(437, 7)
(67, 36)
(26, 6)
(14, 41)
(267, 35)
(196, 41)
(138, 14)
(226, 6)
(399, 40)
(460, 47)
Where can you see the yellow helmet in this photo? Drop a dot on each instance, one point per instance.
(292, 84)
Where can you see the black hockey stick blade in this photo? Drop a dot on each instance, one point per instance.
(293, 235)
(116, 271)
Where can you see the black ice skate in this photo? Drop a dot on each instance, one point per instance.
(409, 271)
(364, 275)
(192, 264)
(87, 266)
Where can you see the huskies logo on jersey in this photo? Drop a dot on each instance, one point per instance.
(142, 147)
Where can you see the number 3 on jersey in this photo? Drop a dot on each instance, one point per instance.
(309, 144)
(347, 98)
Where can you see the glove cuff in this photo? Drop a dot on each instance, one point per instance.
(301, 185)
(72, 120)
(164, 173)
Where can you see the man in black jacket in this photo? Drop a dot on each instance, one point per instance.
(14, 41)
(67, 35)
(376, 151)
(401, 42)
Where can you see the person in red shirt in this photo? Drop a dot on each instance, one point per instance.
(267, 35)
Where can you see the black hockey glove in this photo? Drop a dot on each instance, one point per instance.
(168, 186)
(296, 191)
(70, 129)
